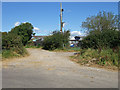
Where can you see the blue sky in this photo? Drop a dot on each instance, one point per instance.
(44, 16)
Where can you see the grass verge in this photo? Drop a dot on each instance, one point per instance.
(30, 46)
(91, 57)
(70, 49)
(6, 54)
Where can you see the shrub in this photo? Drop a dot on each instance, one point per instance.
(14, 53)
(103, 31)
(105, 57)
(57, 40)
(104, 39)
(11, 40)
(7, 54)
(12, 45)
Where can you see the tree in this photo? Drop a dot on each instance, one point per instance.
(103, 31)
(56, 40)
(66, 35)
(103, 21)
(24, 30)
(10, 40)
(0, 41)
(106, 39)
(13, 43)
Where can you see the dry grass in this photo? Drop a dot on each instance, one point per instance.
(92, 58)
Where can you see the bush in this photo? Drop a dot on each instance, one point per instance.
(53, 42)
(7, 54)
(11, 40)
(14, 53)
(57, 40)
(104, 39)
(12, 45)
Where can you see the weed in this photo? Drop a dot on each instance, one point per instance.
(105, 58)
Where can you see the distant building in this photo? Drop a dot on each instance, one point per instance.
(34, 38)
(37, 40)
(76, 40)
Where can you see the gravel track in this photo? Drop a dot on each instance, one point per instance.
(45, 69)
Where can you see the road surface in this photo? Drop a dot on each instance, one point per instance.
(45, 69)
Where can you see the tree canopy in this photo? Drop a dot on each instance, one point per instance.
(102, 21)
(56, 40)
(24, 30)
(102, 31)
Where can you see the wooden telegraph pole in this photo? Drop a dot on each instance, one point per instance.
(61, 10)
(61, 23)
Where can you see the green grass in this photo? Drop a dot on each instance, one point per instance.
(8, 54)
(28, 46)
(91, 56)
(12, 53)
(73, 49)
(69, 49)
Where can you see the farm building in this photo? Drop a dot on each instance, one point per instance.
(38, 40)
(75, 40)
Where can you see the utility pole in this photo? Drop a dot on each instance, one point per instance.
(61, 24)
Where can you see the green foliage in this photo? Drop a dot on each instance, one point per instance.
(13, 53)
(11, 40)
(73, 49)
(68, 49)
(31, 44)
(66, 35)
(12, 46)
(56, 40)
(101, 45)
(53, 42)
(24, 30)
(105, 57)
(103, 31)
(102, 21)
(7, 54)
(38, 46)
(0, 42)
(105, 39)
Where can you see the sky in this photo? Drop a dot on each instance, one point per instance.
(45, 16)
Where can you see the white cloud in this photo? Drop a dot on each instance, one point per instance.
(24, 22)
(17, 23)
(76, 33)
(35, 28)
(72, 38)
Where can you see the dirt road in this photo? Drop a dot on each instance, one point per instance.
(45, 69)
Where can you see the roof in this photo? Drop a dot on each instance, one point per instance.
(73, 38)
